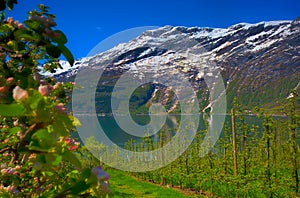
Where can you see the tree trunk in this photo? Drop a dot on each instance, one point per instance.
(234, 148)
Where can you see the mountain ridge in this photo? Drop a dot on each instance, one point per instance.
(252, 58)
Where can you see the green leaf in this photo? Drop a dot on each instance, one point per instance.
(10, 4)
(26, 35)
(61, 39)
(34, 99)
(43, 8)
(42, 140)
(69, 156)
(62, 124)
(49, 173)
(79, 187)
(12, 110)
(66, 52)
(6, 28)
(43, 112)
(14, 130)
(44, 136)
(35, 25)
(53, 51)
(86, 173)
(53, 159)
(36, 146)
(76, 121)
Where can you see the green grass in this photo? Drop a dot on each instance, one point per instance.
(122, 185)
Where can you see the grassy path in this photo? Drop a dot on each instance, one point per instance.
(122, 185)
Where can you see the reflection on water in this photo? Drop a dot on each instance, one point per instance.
(120, 137)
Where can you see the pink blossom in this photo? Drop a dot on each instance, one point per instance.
(43, 89)
(19, 94)
(2, 89)
(18, 167)
(73, 147)
(20, 26)
(10, 20)
(56, 85)
(10, 170)
(12, 189)
(9, 79)
(60, 107)
(32, 156)
(6, 154)
(16, 122)
(67, 140)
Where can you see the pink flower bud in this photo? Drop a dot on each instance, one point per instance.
(19, 94)
(43, 82)
(13, 190)
(10, 79)
(2, 89)
(73, 147)
(20, 26)
(56, 85)
(67, 140)
(6, 141)
(43, 89)
(6, 154)
(60, 107)
(32, 156)
(10, 170)
(18, 167)
(10, 20)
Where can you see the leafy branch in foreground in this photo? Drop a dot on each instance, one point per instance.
(37, 155)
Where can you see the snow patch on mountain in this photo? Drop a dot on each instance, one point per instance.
(208, 44)
(66, 67)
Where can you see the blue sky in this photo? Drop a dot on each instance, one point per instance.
(88, 22)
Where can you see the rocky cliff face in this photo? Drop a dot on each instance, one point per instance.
(259, 64)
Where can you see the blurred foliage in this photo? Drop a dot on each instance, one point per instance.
(38, 157)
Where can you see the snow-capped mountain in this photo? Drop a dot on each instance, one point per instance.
(259, 62)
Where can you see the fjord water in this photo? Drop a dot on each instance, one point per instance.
(115, 133)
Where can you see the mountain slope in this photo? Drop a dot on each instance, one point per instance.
(259, 64)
